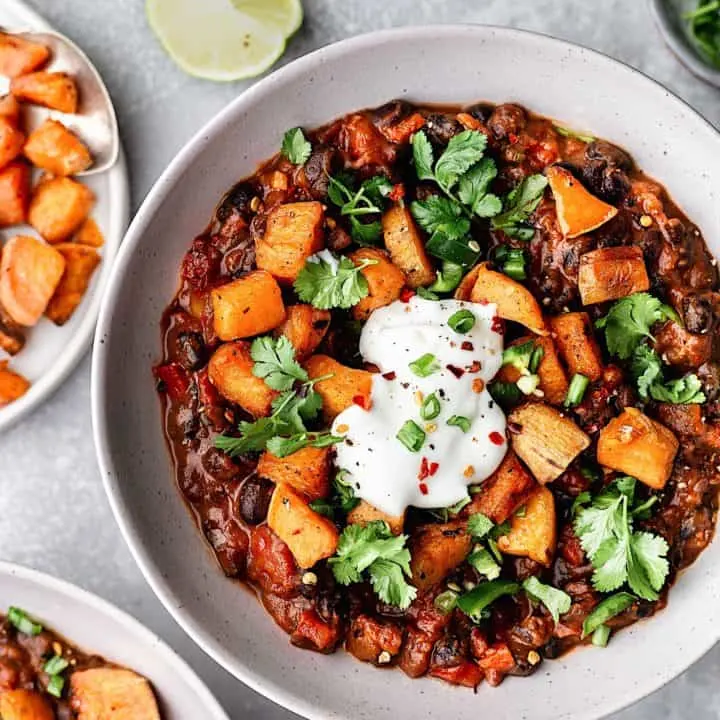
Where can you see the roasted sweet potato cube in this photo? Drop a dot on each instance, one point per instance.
(574, 338)
(14, 193)
(307, 470)
(107, 693)
(504, 491)
(310, 536)
(436, 550)
(611, 273)
(370, 637)
(30, 272)
(12, 386)
(80, 264)
(89, 234)
(533, 534)
(345, 387)
(19, 56)
(230, 371)
(250, 305)
(12, 336)
(546, 441)
(54, 90)
(385, 281)
(10, 109)
(406, 246)
(293, 233)
(54, 148)
(364, 513)
(514, 301)
(12, 140)
(59, 206)
(637, 445)
(578, 211)
(305, 327)
(21, 704)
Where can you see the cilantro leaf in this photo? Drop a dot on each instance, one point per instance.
(274, 362)
(462, 152)
(332, 285)
(253, 437)
(647, 369)
(377, 188)
(473, 189)
(365, 233)
(650, 552)
(555, 600)
(341, 188)
(630, 320)
(284, 446)
(479, 525)
(385, 558)
(423, 156)
(518, 205)
(483, 561)
(440, 214)
(295, 146)
(683, 391)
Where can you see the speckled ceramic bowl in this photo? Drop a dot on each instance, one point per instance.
(437, 64)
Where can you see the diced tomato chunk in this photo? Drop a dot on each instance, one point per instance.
(313, 632)
(468, 674)
(497, 657)
(173, 379)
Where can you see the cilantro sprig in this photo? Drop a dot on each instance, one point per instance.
(295, 146)
(368, 199)
(342, 499)
(372, 552)
(555, 600)
(647, 369)
(275, 362)
(327, 285)
(519, 205)
(619, 554)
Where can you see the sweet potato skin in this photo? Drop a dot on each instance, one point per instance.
(385, 281)
(293, 233)
(436, 550)
(514, 301)
(58, 208)
(54, 90)
(345, 387)
(80, 264)
(12, 385)
(54, 148)
(307, 470)
(14, 193)
(310, 536)
(464, 289)
(230, 371)
(406, 246)
(611, 273)
(364, 513)
(634, 444)
(21, 704)
(19, 56)
(574, 337)
(12, 337)
(305, 328)
(250, 305)
(12, 140)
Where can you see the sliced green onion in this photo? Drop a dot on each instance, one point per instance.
(605, 610)
(536, 357)
(576, 391)
(425, 365)
(505, 394)
(22, 622)
(480, 597)
(519, 356)
(601, 636)
(55, 665)
(55, 685)
(485, 564)
(479, 525)
(521, 512)
(411, 435)
(448, 278)
(462, 321)
(494, 549)
(460, 421)
(445, 602)
(426, 294)
(528, 384)
(430, 408)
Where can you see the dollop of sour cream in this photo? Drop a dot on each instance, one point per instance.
(381, 469)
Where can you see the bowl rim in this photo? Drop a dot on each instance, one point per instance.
(176, 168)
(81, 597)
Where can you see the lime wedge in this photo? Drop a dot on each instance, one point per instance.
(224, 40)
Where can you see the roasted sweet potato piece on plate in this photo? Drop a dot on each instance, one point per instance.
(80, 264)
(12, 140)
(90, 234)
(10, 109)
(574, 338)
(307, 470)
(611, 273)
(14, 193)
(305, 328)
(345, 387)
(364, 513)
(12, 386)
(21, 704)
(12, 337)
(436, 550)
(385, 281)
(54, 148)
(54, 90)
(406, 246)
(59, 206)
(30, 272)
(19, 56)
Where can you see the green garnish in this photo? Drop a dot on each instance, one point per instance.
(325, 286)
(525, 357)
(519, 204)
(369, 199)
(511, 261)
(295, 146)
(411, 435)
(343, 498)
(426, 294)
(601, 636)
(629, 321)
(479, 525)
(459, 421)
(446, 601)
(55, 665)
(647, 369)
(275, 362)
(556, 601)
(473, 603)
(576, 391)
(618, 553)
(567, 132)
(55, 685)
(425, 365)
(462, 321)
(484, 563)
(605, 610)
(430, 408)
(447, 278)
(704, 27)
(581, 500)
(504, 394)
(23, 622)
(373, 552)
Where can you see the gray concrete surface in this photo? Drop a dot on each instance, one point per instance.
(53, 512)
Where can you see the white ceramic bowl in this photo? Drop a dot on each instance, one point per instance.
(95, 626)
(446, 64)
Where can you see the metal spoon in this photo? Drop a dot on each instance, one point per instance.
(96, 122)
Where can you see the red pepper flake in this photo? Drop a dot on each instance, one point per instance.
(433, 468)
(498, 325)
(424, 469)
(406, 294)
(476, 367)
(390, 375)
(483, 302)
(423, 488)
(397, 193)
(513, 138)
(496, 438)
(455, 370)
(467, 345)
(362, 400)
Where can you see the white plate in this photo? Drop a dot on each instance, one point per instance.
(52, 352)
(95, 626)
(445, 64)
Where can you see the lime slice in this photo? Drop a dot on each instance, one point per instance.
(224, 39)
